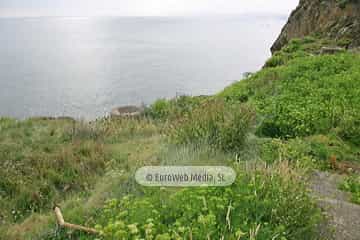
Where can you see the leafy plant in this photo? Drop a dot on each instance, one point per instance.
(160, 109)
(260, 205)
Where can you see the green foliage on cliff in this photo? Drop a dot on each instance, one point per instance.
(305, 47)
(308, 95)
(297, 112)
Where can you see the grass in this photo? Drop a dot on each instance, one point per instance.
(306, 95)
(216, 123)
(259, 191)
(55, 161)
(130, 146)
(296, 114)
(42, 160)
(309, 95)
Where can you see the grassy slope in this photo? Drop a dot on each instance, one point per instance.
(70, 160)
(42, 159)
(130, 144)
(313, 97)
(307, 111)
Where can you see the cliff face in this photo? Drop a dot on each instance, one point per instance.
(335, 19)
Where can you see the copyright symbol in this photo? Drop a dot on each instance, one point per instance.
(149, 177)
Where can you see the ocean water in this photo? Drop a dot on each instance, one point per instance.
(84, 67)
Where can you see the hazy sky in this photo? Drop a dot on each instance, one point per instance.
(16, 8)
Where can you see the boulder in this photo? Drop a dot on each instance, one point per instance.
(127, 111)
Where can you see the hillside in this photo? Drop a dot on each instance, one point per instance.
(291, 131)
(274, 128)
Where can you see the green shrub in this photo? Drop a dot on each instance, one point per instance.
(172, 109)
(344, 42)
(160, 109)
(216, 123)
(261, 205)
(276, 60)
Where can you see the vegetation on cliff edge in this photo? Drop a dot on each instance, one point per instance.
(297, 113)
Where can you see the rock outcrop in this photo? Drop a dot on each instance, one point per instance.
(335, 19)
(127, 111)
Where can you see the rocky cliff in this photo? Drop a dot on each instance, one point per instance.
(335, 19)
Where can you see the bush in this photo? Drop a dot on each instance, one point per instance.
(160, 109)
(163, 109)
(259, 205)
(221, 125)
(276, 60)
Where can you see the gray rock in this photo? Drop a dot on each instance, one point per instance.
(127, 111)
(324, 18)
(331, 50)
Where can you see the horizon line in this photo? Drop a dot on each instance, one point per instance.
(259, 14)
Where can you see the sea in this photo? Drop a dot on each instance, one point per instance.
(83, 67)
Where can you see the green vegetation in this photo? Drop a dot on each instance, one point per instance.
(352, 185)
(224, 126)
(297, 113)
(309, 95)
(260, 205)
(306, 47)
(42, 160)
(172, 109)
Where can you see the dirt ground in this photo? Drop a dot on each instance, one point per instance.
(343, 216)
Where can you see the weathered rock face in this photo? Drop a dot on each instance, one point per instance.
(336, 19)
(127, 111)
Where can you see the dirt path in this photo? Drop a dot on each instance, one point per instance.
(343, 216)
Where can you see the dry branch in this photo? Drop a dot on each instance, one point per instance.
(62, 223)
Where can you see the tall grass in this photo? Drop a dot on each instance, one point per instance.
(43, 160)
(81, 163)
(215, 123)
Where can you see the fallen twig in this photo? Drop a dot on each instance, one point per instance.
(62, 223)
